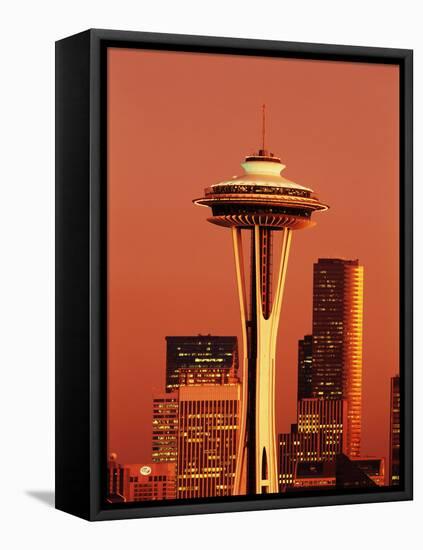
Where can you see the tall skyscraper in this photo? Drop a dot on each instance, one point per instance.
(208, 429)
(201, 359)
(395, 433)
(305, 358)
(256, 204)
(337, 339)
(165, 428)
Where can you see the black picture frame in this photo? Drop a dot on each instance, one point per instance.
(81, 253)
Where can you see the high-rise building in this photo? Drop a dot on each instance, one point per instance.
(202, 359)
(322, 424)
(289, 447)
(208, 430)
(255, 206)
(318, 436)
(395, 434)
(165, 428)
(305, 358)
(337, 339)
(151, 481)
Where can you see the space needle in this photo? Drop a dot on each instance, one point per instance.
(254, 206)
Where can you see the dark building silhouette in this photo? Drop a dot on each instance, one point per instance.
(337, 339)
(374, 468)
(395, 434)
(200, 360)
(305, 357)
(340, 472)
(118, 481)
(349, 474)
(315, 475)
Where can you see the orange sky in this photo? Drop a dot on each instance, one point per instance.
(179, 122)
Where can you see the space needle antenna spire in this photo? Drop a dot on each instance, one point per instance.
(263, 126)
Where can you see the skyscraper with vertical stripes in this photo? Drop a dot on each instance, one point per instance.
(338, 339)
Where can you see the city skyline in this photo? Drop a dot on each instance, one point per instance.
(163, 405)
(316, 454)
(197, 422)
(189, 273)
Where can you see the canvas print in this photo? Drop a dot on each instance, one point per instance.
(252, 277)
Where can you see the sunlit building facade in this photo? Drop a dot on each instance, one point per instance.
(201, 359)
(395, 433)
(165, 428)
(207, 440)
(337, 339)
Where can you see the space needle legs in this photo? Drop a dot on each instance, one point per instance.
(256, 465)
